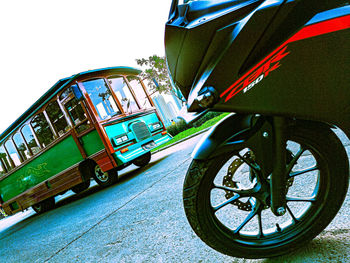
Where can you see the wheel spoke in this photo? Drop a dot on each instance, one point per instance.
(294, 160)
(241, 193)
(246, 221)
(232, 199)
(295, 220)
(222, 187)
(310, 199)
(311, 169)
(261, 234)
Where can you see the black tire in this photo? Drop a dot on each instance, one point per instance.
(44, 206)
(104, 178)
(216, 223)
(143, 160)
(81, 187)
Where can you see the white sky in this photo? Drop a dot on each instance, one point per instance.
(43, 41)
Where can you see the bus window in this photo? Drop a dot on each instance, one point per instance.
(77, 115)
(10, 147)
(83, 127)
(102, 98)
(21, 146)
(30, 139)
(123, 93)
(57, 118)
(139, 92)
(2, 169)
(5, 161)
(65, 94)
(42, 130)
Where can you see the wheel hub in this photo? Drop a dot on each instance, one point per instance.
(260, 190)
(102, 176)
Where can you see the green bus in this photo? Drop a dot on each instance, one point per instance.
(90, 125)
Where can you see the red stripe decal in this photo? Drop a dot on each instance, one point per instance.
(271, 62)
(322, 28)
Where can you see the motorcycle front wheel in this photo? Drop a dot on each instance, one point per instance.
(227, 202)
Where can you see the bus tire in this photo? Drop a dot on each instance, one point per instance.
(44, 206)
(81, 187)
(104, 178)
(143, 160)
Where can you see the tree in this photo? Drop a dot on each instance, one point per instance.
(156, 74)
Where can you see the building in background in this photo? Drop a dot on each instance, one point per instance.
(168, 106)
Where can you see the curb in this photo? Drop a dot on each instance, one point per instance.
(182, 140)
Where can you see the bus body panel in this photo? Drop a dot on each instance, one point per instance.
(41, 168)
(126, 127)
(136, 150)
(92, 143)
(55, 185)
(143, 133)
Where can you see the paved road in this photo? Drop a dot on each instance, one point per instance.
(140, 219)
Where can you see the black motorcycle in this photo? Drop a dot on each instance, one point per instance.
(272, 175)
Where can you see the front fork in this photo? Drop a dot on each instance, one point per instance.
(270, 150)
(269, 143)
(278, 180)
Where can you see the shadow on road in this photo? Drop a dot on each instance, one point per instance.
(125, 177)
(128, 175)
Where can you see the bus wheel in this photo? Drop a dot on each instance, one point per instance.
(105, 178)
(81, 187)
(143, 160)
(44, 206)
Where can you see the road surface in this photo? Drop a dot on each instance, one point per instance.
(140, 219)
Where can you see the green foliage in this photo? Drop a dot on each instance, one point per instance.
(156, 68)
(209, 115)
(178, 127)
(186, 133)
(181, 125)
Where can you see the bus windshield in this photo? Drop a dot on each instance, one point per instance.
(102, 98)
(140, 93)
(123, 93)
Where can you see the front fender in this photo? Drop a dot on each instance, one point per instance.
(237, 132)
(219, 134)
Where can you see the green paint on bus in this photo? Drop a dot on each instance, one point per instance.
(44, 166)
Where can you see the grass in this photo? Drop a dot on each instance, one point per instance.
(191, 131)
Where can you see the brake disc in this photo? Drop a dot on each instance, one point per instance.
(229, 182)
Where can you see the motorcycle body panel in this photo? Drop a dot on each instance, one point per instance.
(285, 58)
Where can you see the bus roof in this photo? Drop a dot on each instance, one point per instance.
(61, 84)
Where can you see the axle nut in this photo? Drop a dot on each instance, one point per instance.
(281, 211)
